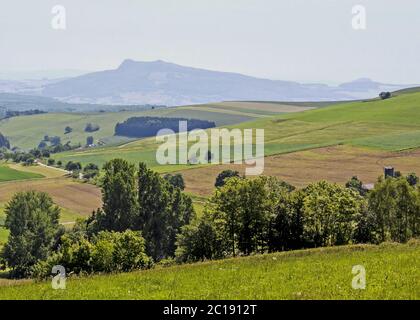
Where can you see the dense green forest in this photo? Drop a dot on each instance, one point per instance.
(139, 127)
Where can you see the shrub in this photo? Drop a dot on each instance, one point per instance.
(105, 252)
(357, 185)
(90, 171)
(73, 166)
(396, 211)
(385, 95)
(224, 175)
(91, 127)
(412, 179)
(329, 214)
(200, 241)
(176, 180)
(129, 252)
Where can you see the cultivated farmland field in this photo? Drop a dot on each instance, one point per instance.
(27, 131)
(388, 125)
(335, 164)
(325, 273)
(75, 198)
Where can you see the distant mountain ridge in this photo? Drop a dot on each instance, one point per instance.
(165, 83)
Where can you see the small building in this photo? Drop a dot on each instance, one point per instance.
(389, 172)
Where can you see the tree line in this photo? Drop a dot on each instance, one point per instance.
(139, 127)
(147, 219)
(265, 214)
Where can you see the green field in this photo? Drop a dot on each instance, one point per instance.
(8, 174)
(325, 273)
(26, 132)
(390, 125)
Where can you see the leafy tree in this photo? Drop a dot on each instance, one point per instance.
(42, 145)
(45, 154)
(33, 221)
(36, 153)
(73, 166)
(67, 130)
(224, 175)
(181, 213)
(90, 171)
(245, 209)
(385, 95)
(154, 199)
(396, 213)
(163, 210)
(119, 196)
(366, 230)
(90, 166)
(55, 141)
(329, 214)
(412, 179)
(51, 162)
(286, 227)
(200, 240)
(91, 127)
(357, 185)
(225, 206)
(255, 213)
(29, 161)
(176, 180)
(129, 252)
(4, 142)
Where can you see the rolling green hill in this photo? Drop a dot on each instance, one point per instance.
(325, 273)
(27, 131)
(391, 125)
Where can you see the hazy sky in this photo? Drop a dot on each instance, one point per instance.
(303, 40)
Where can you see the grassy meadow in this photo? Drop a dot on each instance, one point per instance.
(26, 132)
(333, 142)
(324, 273)
(9, 174)
(388, 125)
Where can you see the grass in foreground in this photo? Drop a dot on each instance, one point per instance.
(325, 273)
